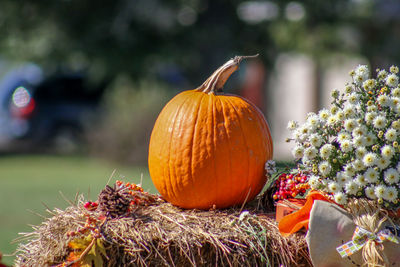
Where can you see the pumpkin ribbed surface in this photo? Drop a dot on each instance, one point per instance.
(209, 149)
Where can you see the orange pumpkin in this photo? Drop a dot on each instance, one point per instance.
(208, 149)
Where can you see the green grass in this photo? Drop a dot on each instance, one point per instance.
(28, 181)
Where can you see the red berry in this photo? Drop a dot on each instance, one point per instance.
(90, 206)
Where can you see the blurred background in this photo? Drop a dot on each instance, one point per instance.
(82, 82)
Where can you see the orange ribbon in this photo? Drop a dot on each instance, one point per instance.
(295, 221)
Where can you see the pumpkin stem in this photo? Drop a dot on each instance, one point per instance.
(217, 80)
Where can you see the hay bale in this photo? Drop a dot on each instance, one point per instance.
(163, 235)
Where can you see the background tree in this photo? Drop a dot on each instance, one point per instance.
(182, 42)
(176, 39)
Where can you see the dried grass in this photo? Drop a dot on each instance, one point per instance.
(164, 235)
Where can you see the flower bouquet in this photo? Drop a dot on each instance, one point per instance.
(352, 153)
(352, 149)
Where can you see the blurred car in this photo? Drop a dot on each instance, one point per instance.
(38, 111)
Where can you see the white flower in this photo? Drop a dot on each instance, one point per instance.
(380, 191)
(387, 151)
(382, 163)
(371, 175)
(301, 134)
(391, 176)
(370, 139)
(369, 84)
(342, 177)
(358, 165)
(363, 71)
(296, 135)
(396, 92)
(382, 74)
(360, 152)
(396, 108)
(326, 151)
(349, 170)
(360, 131)
(370, 116)
(315, 140)
(379, 122)
(353, 98)
(309, 153)
(311, 114)
(398, 167)
(324, 114)
(349, 111)
(392, 80)
(394, 69)
(331, 120)
(351, 188)
(360, 180)
(334, 187)
(324, 168)
(346, 146)
(391, 194)
(292, 125)
(383, 100)
(358, 79)
(372, 108)
(396, 125)
(340, 198)
(369, 159)
(350, 124)
(298, 151)
(370, 192)
(359, 141)
(304, 129)
(340, 115)
(343, 136)
(391, 135)
(394, 101)
(313, 120)
(313, 181)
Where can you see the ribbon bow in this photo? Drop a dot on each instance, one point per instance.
(361, 236)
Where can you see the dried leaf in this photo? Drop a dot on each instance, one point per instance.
(80, 243)
(94, 258)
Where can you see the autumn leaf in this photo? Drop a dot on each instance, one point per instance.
(93, 258)
(80, 243)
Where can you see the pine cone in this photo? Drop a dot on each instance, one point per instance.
(267, 199)
(113, 202)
